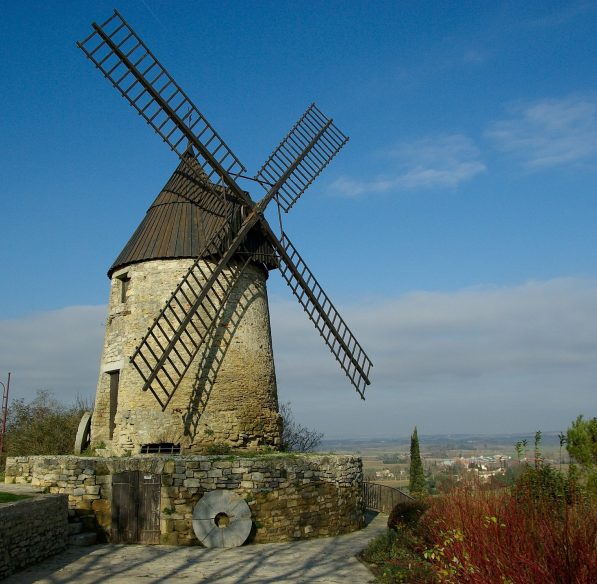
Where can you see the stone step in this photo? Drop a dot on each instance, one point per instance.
(83, 539)
(74, 528)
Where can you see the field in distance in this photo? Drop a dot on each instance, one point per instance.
(387, 460)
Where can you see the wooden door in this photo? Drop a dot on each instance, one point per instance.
(148, 508)
(124, 507)
(136, 507)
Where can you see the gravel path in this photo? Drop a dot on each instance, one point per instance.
(322, 561)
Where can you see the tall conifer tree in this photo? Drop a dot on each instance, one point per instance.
(417, 474)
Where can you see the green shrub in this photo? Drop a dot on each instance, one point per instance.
(395, 556)
(407, 513)
(217, 448)
(542, 483)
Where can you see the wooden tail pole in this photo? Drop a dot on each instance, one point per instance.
(5, 391)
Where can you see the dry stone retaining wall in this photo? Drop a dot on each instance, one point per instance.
(32, 530)
(290, 496)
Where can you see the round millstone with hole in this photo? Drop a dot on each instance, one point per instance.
(83, 433)
(222, 519)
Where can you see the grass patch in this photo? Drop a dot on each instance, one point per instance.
(10, 497)
(397, 556)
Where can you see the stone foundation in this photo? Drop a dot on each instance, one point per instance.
(290, 496)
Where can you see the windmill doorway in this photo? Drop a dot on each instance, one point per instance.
(136, 507)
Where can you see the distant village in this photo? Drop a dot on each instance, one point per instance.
(483, 466)
(395, 471)
(490, 458)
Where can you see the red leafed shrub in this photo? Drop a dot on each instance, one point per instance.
(485, 537)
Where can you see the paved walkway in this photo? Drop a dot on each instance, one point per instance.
(323, 561)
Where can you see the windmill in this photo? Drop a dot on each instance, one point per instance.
(235, 237)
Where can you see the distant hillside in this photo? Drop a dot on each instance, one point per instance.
(446, 441)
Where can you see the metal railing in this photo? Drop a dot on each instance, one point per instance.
(382, 498)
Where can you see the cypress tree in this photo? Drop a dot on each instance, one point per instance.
(417, 474)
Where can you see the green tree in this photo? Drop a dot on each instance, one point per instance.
(563, 440)
(416, 483)
(518, 447)
(42, 426)
(581, 443)
(538, 455)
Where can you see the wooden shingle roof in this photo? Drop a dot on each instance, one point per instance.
(183, 219)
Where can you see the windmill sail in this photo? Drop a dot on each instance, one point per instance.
(323, 314)
(125, 60)
(308, 148)
(189, 316)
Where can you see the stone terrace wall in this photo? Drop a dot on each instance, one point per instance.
(31, 530)
(290, 496)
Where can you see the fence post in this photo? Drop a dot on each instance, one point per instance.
(5, 390)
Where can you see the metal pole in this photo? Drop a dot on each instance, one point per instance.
(5, 390)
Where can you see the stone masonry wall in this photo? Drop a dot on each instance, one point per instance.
(32, 530)
(290, 496)
(229, 393)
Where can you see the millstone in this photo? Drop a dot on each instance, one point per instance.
(83, 433)
(222, 519)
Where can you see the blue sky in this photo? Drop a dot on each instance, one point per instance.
(456, 230)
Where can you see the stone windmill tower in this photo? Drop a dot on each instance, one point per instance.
(228, 395)
(187, 358)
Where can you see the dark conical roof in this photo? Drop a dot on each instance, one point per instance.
(183, 219)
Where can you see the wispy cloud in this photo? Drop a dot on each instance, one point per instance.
(57, 350)
(491, 359)
(562, 15)
(549, 132)
(474, 332)
(440, 162)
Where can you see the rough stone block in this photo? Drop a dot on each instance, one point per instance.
(169, 538)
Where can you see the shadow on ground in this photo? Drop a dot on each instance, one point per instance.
(326, 560)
